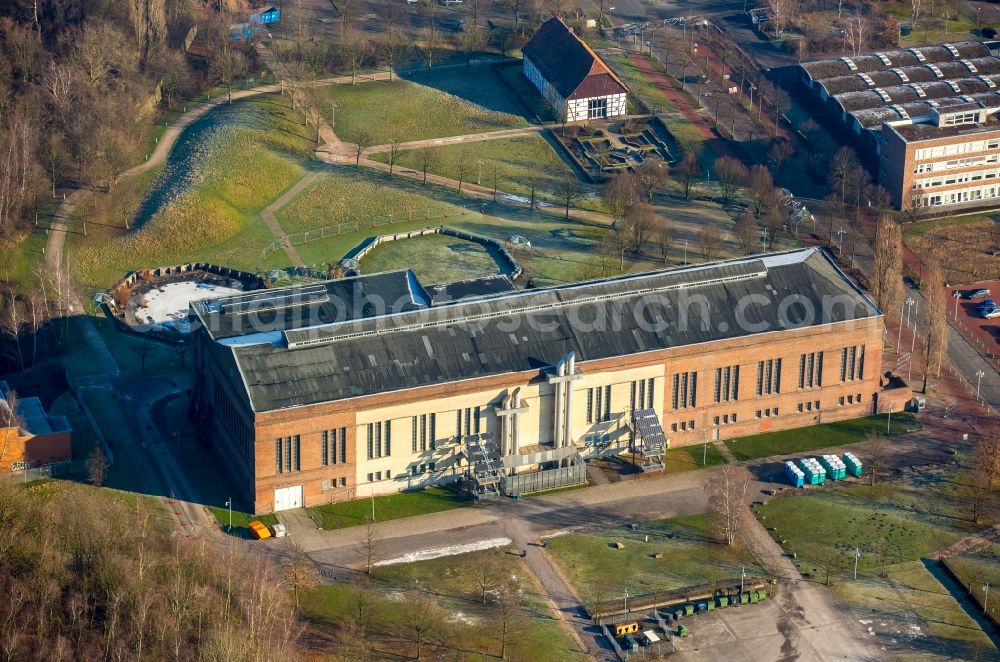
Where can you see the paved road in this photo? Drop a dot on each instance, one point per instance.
(466, 138)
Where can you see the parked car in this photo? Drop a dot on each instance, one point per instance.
(986, 304)
(990, 314)
(978, 294)
(988, 32)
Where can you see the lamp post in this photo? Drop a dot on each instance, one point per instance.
(979, 381)
(626, 603)
(857, 555)
(956, 295)
(333, 114)
(685, 252)
(479, 178)
(986, 598)
(840, 238)
(229, 505)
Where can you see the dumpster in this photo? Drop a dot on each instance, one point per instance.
(794, 474)
(682, 631)
(744, 598)
(723, 601)
(761, 594)
(853, 464)
(688, 610)
(259, 530)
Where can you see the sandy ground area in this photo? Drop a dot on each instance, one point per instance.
(167, 306)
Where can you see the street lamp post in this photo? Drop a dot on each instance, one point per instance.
(986, 599)
(857, 555)
(479, 178)
(979, 381)
(626, 603)
(333, 114)
(229, 505)
(685, 252)
(956, 295)
(840, 238)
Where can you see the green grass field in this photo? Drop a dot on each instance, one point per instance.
(900, 524)
(978, 569)
(691, 556)
(464, 628)
(687, 458)
(241, 521)
(205, 203)
(561, 252)
(912, 230)
(433, 105)
(390, 507)
(518, 163)
(525, 91)
(816, 437)
(435, 258)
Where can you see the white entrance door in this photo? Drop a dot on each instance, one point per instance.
(286, 498)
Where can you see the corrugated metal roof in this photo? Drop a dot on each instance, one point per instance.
(533, 329)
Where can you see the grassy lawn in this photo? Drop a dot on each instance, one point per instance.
(976, 570)
(957, 244)
(816, 437)
(431, 105)
(686, 458)
(434, 258)
(525, 91)
(518, 163)
(911, 230)
(561, 252)
(204, 203)
(465, 628)
(390, 507)
(691, 556)
(905, 523)
(241, 521)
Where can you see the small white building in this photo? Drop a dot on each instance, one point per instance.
(574, 79)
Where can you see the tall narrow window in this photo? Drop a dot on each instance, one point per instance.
(371, 441)
(649, 393)
(388, 438)
(600, 409)
(433, 431)
(607, 403)
(413, 434)
(277, 455)
(590, 405)
(324, 453)
(343, 444)
(476, 419)
(296, 453)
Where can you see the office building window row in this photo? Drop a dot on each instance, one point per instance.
(376, 476)
(725, 419)
(467, 421)
(766, 413)
(424, 432)
(849, 399)
(683, 426)
(812, 405)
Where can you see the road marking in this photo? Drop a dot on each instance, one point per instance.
(438, 552)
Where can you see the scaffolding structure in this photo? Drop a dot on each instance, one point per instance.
(648, 441)
(485, 469)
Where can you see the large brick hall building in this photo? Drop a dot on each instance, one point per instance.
(370, 385)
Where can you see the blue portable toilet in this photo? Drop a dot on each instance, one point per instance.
(266, 16)
(794, 475)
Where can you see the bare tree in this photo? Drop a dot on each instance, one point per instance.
(761, 188)
(607, 252)
(97, 466)
(936, 341)
(638, 226)
(709, 240)
(830, 560)
(508, 616)
(393, 48)
(746, 231)
(653, 175)
(428, 161)
(299, 572)
(666, 237)
(774, 221)
(362, 141)
(856, 32)
(887, 266)
(393, 155)
(986, 459)
(843, 162)
(731, 175)
(369, 546)
(488, 575)
(9, 416)
(619, 193)
(780, 151)
(149, 23)
(875, 453)
(727, 493)
(686, 172)
(569, 190)
(422, 620)
(781, 12)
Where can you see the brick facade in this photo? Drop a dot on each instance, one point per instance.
(837, 400)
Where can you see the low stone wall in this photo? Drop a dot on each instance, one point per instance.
(351, 262)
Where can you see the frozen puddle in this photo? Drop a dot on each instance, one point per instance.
(167, 305)
(438, 552)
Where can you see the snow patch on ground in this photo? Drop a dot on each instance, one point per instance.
(167, 305)
(439, 552)
(462, 617)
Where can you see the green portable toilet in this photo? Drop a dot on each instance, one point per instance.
(853, 464)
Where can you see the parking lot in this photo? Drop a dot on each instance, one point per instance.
(983, 333)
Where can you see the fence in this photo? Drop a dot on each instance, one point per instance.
(62, 469)
(550, 479)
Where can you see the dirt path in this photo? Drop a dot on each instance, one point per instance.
(970, 544)
(267, 214)
(465, 138)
